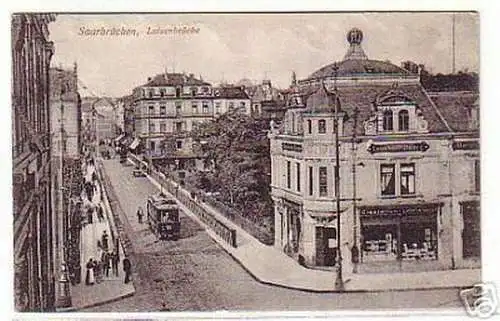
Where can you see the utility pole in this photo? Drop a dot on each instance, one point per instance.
(339, 282)
(355, 248)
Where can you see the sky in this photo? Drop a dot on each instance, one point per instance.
(229, 47)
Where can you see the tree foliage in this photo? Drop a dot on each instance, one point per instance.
(238, 148)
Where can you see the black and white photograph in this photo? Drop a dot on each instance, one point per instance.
(247, 161)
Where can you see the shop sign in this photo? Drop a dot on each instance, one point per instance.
(402, 210)
(465, 145)
(398, 147)
(292, 147)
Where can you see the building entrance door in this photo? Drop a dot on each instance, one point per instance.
(326, 246)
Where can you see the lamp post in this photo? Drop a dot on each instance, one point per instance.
(339, 282)
(64, 294)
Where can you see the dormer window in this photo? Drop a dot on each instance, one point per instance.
(321, 126)
(403, 120)
(387, 123)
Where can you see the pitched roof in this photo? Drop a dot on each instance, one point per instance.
(175, 79)
(455, 108)
(363, 97)
(230, 92)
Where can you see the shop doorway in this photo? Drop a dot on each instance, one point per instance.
(326, 246)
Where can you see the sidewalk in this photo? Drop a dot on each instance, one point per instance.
(111, 288)
(271, 266)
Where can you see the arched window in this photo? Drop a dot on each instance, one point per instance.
(404, 120)
(387, 120)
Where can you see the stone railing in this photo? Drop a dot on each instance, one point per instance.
(189, 200)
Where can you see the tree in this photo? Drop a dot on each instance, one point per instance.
(238, 147)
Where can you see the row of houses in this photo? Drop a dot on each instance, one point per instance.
(159, 115)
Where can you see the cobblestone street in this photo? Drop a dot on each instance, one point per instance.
(195, 274)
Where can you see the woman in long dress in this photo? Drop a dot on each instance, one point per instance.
(90, 278)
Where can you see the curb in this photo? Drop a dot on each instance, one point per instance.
(310, 290)
(96, 304)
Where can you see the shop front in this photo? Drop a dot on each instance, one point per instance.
(398, 237)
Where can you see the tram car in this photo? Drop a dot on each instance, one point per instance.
(163, 217)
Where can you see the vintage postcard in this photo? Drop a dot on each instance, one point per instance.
(293, 161)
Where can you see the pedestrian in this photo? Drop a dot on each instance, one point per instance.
(104, 240)
(109, 263)
(90, 277)
(99, 245)
(115, 258)
(140, 214)
(89, 215)
(127, 268)
(105, 263)
(98, 271)
(100, 213)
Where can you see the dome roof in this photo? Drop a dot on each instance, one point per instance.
(358, 67)
(356, 63)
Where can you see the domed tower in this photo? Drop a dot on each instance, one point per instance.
(355, 51)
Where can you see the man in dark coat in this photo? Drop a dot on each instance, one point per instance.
(104, 240)
(127, 268)
(114, 262)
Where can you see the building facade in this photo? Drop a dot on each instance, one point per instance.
(35, 239)
(166, 109)
(408, 172)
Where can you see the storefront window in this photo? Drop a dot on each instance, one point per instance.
(388, 179)
(407, 179)
(406, 232)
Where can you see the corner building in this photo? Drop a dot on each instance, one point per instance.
(409, 172)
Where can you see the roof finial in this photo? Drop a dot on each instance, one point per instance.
(355, 37)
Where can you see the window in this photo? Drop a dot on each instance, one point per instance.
(163, 110)
(387, 120)
(193, 91)
(231, 106)
(298, 177)
(311, 180)
(217, 107)
(177, 91)
(477, 175)
(288, 174)
(403, 120)
(388, 179)
(309, 126)
(178, 126)
(178, 144)
(163, 127)
(242, 105)
(195, 107)
(407, 179)
(152, 146)
(321, 126)
(150, 94)
(178, 107)
(162, 92)
(151, 109)
(152, 127)
(205, 107)
(323, 181)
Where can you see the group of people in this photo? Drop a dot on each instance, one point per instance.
(108, 256)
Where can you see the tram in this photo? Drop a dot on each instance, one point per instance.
(163, 216)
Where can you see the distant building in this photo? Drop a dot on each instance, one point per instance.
(267, 102)
(409, 171)
(37, 246)
(229, 98)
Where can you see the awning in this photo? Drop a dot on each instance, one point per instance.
(134, 144)
(117, 139)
